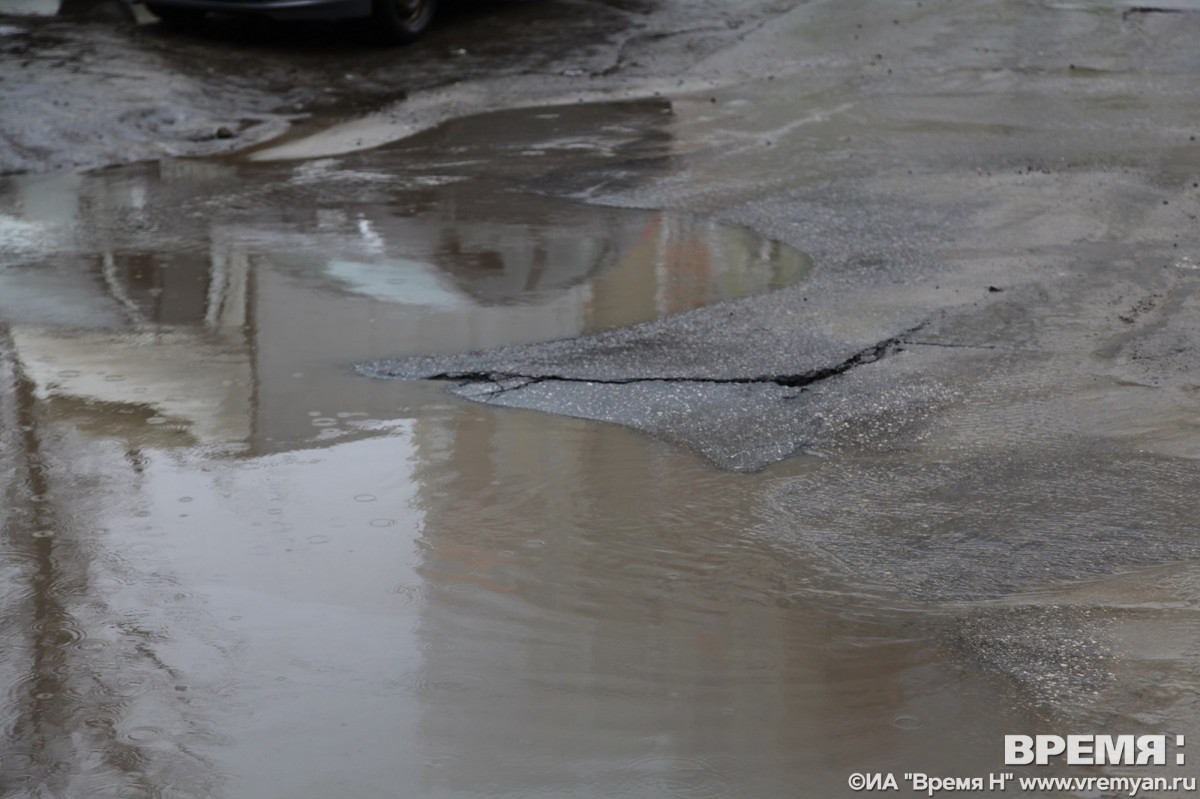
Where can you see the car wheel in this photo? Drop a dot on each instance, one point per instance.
(175, 16)
(401, 21)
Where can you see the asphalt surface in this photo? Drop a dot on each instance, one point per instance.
(965, 182)
(988, 376)
(233, 82)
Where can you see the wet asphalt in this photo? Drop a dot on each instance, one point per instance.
(987, 380)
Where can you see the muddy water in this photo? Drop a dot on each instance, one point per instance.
(235, 568)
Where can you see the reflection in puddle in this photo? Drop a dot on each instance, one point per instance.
(233, 567)
(237, 335)
(456, 270)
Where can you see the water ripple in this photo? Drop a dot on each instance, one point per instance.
(708, 777)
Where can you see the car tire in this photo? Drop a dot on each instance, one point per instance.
(400, 21)
(174, 16)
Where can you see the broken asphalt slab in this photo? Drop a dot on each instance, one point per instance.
(735, 381)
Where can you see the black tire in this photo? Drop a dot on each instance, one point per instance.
(175, 16)
(400, 21)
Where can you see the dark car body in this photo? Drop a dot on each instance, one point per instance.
(393, 21)
(274, 9)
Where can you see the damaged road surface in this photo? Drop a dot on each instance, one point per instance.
(736, 402)
(833, 391)
(988, 373)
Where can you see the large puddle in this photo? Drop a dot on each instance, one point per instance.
(233, 567)
(241, 332)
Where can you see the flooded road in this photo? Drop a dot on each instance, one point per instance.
(235, 567)
(867, 346)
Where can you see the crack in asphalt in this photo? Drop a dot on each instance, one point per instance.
(799, 380)
(951, 345)
(1152, 10)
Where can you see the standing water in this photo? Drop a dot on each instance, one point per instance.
(233, 567)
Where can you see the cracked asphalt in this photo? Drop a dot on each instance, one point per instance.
(708, 379)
